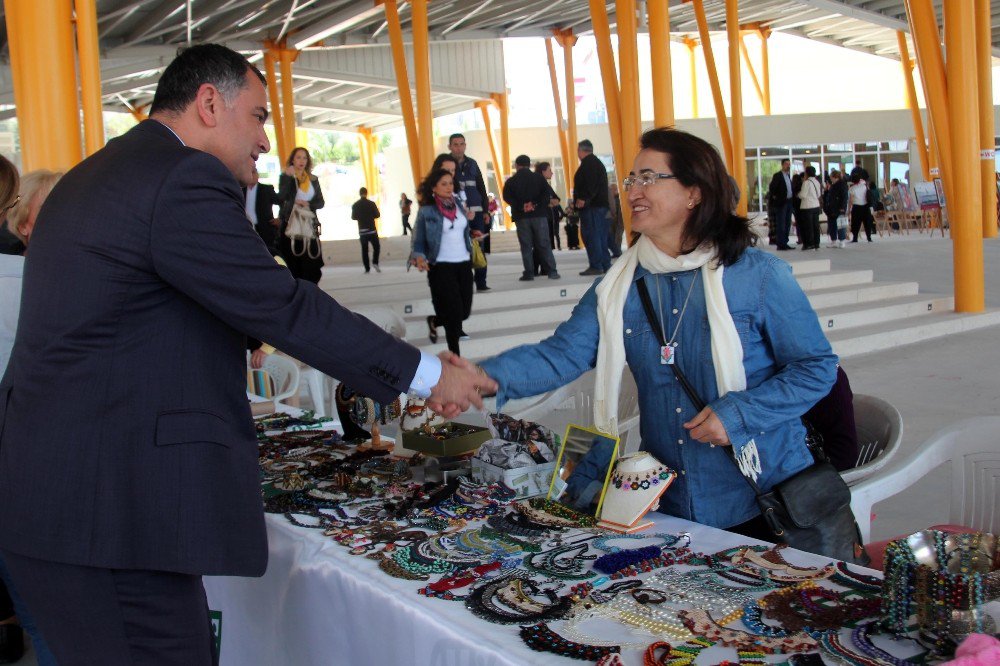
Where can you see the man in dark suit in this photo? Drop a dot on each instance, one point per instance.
(260, 202)
(779, 205)
(128, 458)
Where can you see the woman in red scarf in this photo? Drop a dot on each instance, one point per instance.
(442, 246)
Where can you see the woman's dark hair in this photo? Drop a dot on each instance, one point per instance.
(855, 179)
(425, 193)
(309, 159)
(196, 65)
(541, 166)
(441, 159)
(811, 171)
(696, 163)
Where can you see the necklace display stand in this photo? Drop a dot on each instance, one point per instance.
(637, 483)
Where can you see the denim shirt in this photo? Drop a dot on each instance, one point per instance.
(789, 366)
(427, 232)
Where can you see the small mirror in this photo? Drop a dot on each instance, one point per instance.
(583, 469)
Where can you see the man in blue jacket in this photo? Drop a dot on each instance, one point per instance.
(128, 457)
(470, 186)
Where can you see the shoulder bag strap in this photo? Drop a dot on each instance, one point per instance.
(699, 404)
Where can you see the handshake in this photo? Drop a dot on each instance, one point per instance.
(462, 384)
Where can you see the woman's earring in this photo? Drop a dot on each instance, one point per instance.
(690, 204)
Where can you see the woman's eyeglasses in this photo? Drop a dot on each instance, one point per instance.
(645, 178)
(16, 199)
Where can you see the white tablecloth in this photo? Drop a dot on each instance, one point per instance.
(318, 605)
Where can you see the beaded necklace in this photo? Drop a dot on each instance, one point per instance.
(669, 540)
(565, 562)
(700, 622)
(483, 604)
(681, 655)
(643, 480)
(540, 638)
(856, 581)
(557, 510)
(624, 610)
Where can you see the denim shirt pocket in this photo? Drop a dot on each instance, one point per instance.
(641, 346)
(745, 328)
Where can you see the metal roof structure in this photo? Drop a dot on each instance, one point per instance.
(341, 80)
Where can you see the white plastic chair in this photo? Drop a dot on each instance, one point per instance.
(285, 374)
(385, 318)
(972, 446)
(880, 432)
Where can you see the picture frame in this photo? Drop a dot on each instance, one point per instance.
(586, 458)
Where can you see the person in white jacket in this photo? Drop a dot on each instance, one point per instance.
(811, 196)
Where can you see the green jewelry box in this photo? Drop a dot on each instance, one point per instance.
(462, 438)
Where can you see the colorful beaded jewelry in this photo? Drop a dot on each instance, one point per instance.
(641, 480)
(565, 562)
(558, 510)
(482, 602)
(669, 540)
(701, 623)
(540, 638)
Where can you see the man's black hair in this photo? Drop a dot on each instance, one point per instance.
(197, 65)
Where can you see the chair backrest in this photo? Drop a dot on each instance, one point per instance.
(880, 431)
(285, 374)
(385, 318)
(972, 446)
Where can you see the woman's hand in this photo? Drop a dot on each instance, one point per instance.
(420, 263)
(469, 215)
(706, 427)
(257, 358)
(290, 171)
(477, 234)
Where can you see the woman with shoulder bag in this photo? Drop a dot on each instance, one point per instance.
(693, 295)
(299, 192)
(811, 198)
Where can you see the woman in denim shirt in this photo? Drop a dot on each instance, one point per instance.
(736, 323)
(442, 246)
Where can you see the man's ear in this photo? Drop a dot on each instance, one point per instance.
(208, 103)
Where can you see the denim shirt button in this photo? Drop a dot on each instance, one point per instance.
(674, 311)
(680, 441)
(678, 410)
(673, 279)
(684, 472)
(628, 331)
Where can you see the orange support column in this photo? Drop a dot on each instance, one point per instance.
(691, 45)
(658, 15)
(964, 196)
(567, 40)
(736, 104)
(43, 61)
(764, 102)
(422, 81)
(484, 108)
(500, 100)
(927, 44)
(274, 96)
(90, 75)
(911, 103)
(403, 84)
(612, 99)
(713, 79)
(285, 59)
(628, 62)
(987, 149)
(557, 103)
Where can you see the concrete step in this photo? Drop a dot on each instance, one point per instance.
(864, 293)
(885, 335)
(833, 279)
(498, 319)
(892, 309)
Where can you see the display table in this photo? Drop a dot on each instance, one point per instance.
(317, 604)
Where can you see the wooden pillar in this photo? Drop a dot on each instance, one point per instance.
(403, 84)
(658, 15)
(964, 197)
(564, 149)
(736, 105)
(43, 64)
(987, 149)
(90, 75)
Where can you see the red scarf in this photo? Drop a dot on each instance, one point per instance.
(447, 207)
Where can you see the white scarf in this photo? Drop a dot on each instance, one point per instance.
(727, 350)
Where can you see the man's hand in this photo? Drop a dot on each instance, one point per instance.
(529, 207)
(462, 384)
(706, 427)
(276, 222)
(290, 171)
(257, 358)
(579, 203)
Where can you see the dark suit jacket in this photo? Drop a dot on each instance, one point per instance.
(264, 205)
(590, 183)
(125, 434)
(777, 191)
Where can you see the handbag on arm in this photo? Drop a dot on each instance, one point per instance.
(811, 510)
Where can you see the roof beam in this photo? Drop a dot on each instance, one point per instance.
(853, 11)
(153, 20)
(338, 22)
(377, 82)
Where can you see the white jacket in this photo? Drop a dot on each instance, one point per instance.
(811, 193)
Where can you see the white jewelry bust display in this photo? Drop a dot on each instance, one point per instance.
(637, 483)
